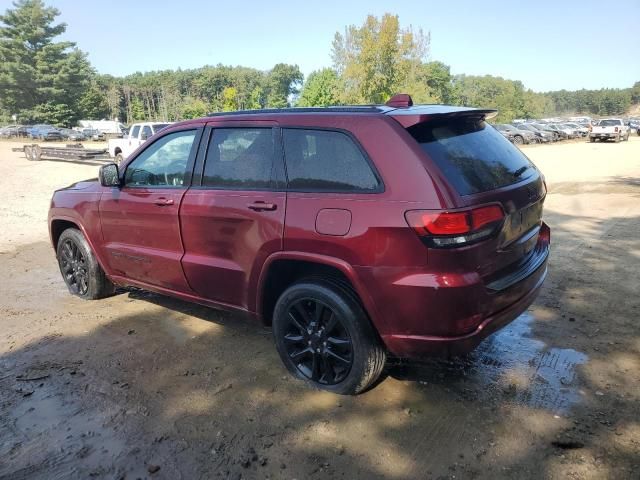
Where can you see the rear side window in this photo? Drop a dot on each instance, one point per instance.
(239, 158)
(473, 156)
(322, 160)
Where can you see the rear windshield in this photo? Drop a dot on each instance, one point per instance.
(609, 123)
(472, 155)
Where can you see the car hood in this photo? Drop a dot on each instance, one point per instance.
(91, 183)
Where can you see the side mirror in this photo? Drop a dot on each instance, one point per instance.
(108, 175)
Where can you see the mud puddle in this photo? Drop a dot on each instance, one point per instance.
(510, 365)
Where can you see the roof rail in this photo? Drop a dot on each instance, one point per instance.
(340, 109)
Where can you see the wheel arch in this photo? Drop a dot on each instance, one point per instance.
(59, 224)
(282, 269)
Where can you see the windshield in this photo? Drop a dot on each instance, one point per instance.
(609, 123)
(474, 157)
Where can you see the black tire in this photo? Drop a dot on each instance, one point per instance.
(325, 338)
(118, 159)
(617, 139)
(592, 139)
(79, 268)
(518, 140)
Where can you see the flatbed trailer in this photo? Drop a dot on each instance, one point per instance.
(37, 152)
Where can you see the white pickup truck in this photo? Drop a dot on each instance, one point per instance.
(121, 148)
(609, 128)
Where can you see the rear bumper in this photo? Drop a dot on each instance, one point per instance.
(430, 313)
(416, 346)
(604, 135)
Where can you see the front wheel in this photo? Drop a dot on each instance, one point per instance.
(80, 270)
(518, 140)
(324, 337)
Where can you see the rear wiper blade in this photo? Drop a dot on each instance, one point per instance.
(520, 171)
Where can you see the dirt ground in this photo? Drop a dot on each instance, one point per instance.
(143, 386)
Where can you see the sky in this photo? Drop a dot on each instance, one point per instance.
(548, 45)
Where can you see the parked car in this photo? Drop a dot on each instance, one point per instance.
(572, 132)
(425, 242)
(93, 134)
(121, 148)
(609, 129)
(544, 127)
(72, 135)
(517, 136)
(543, 137)
(22, 131)
(9, 131)
(561, 133)
(44, 132)
(581, 130)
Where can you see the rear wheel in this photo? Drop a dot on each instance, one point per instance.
(80, 270)
(324, 337)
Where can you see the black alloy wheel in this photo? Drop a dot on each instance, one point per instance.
(325, 338)
(317, 342)
(74, 267)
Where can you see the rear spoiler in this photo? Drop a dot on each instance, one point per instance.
(413, 116)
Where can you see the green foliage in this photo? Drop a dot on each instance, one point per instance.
(93, 103)
(38, 76)
(635, 93)
(42, 80)
(606, 101)
(229, 99)
(321, 89)
(376, 59)
(194, 108)
(281, 82)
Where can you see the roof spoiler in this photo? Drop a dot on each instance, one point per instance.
(410, 119)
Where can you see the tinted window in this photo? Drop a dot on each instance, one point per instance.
(610, 123)
(239, 158)
(134, 131)
(163, 163)
(473, 156)
(325, 160)
(146, 131)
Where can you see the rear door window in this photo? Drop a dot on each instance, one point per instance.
(324, 160)
(240, 158)
(472, 155)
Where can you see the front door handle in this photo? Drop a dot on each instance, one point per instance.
(261, 206)
(164, 202)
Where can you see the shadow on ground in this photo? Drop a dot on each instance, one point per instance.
(159, 388)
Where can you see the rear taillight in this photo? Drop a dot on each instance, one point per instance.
(454, 229)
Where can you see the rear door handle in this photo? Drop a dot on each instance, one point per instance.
(164, 202)
(260, 206)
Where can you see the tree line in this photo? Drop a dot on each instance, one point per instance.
(49, 81)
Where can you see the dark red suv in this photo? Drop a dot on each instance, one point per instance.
(356, 232)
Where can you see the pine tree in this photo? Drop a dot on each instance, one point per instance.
(40, 79)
